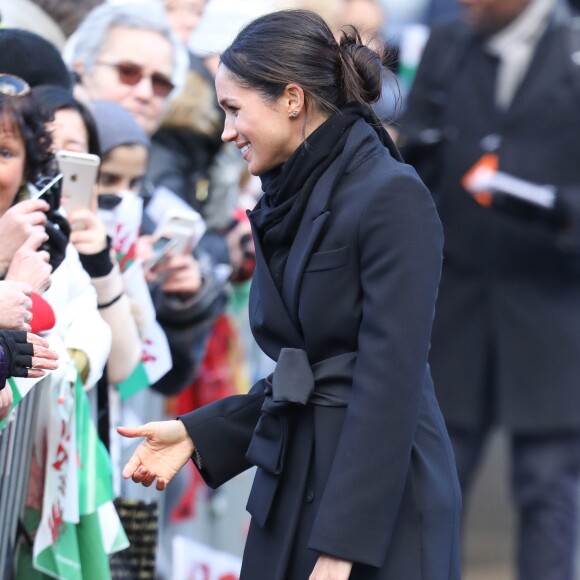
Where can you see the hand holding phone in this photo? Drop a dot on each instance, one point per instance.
(79, 171)
(161, 248)
(49, 190)
(88, 234)
(177, 234)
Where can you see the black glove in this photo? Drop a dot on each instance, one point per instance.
(57, 227)
(17, 352)
(58, 230)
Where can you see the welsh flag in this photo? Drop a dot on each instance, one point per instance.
(123, 224)
(99, 532)
(79, 526)
(156, 356)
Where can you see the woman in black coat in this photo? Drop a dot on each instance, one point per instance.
(356, 477)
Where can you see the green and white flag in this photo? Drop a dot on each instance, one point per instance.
(156, 356)
(55, 551)
(100, 532)
(79, 526)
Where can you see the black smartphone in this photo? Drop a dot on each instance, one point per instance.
(48, 189)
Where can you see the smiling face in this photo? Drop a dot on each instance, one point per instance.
(12, 164)
(263, 130)
(143, 50)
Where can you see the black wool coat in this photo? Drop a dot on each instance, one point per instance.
(506, 337)
(373, 482)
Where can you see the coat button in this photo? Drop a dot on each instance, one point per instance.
(310, 497)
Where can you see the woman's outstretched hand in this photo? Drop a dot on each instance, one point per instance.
(164, 452)
(331, 568)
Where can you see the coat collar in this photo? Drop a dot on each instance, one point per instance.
(281, 310)
(318, 211)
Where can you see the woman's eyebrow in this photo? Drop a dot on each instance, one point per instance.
(225, 102)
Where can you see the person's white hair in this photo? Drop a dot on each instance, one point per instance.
(88, 40)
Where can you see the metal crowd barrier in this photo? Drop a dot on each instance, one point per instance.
(16, 442)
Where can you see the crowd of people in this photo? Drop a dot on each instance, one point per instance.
(96, 283)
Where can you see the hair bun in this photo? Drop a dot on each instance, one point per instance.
(361, 68)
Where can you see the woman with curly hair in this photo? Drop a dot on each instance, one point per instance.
(35, 249)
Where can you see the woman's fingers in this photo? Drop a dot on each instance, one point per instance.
(132, 468)
(148, 479)
(44, 256)
(142, 475)
(37, 340)
(43, 357)
(48, 364)
(132, 431)
(44, 353)
(6, 400)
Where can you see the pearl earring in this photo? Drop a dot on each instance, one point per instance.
(294, 114)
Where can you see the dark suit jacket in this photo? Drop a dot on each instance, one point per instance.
(374, 483)
(506, 338)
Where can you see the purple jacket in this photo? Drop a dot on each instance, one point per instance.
(3, 368)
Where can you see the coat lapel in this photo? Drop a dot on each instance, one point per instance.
(266, 304)
(308, 233)
(317, 213)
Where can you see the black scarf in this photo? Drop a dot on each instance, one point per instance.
(287, 188)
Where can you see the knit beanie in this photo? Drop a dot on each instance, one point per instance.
(32, 58)
(116, 127)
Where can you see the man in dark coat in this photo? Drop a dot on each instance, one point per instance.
(506, 338)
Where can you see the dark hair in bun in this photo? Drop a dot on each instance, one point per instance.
(361, 69)
(297, 46)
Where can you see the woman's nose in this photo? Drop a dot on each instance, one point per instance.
(229, 133)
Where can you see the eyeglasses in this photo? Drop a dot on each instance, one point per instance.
(131, 74)
(13, 86)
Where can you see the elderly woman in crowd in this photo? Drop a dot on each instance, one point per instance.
(126, 53)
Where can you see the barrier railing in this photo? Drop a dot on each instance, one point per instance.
(16, 442)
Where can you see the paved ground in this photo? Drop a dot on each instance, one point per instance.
(488, 573)
(489, 539)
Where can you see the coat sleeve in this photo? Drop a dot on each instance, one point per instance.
(85, 329)
(221, 433)
(400, 249)
(117, 313)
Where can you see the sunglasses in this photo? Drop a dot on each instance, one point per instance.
(131, 74)
(13, 86)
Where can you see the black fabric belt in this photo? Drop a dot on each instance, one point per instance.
(294, 383)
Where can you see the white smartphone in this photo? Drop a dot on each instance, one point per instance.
(178, 233)
(79, 171)
(162, 247)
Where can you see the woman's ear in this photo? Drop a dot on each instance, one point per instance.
(293, 100)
